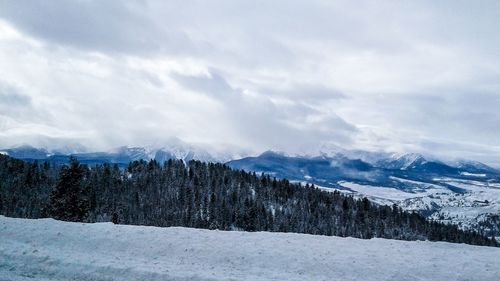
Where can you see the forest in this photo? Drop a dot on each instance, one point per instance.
(204, 195)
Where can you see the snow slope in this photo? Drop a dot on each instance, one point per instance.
(478, 201)
(52, 250)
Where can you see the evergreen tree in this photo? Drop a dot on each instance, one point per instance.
(68, 200)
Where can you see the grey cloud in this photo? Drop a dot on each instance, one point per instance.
(9, 96)
(279, 74)
(454, 150)
(152, 79)
(306, 92)
(286, 127)
(107, 26)
(213, 84)
(13, 103)
(470, 114)
(450, 122)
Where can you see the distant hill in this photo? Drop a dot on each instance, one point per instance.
(466, 193)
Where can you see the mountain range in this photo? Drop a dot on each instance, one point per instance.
(463, 192)
(121, 155)
(466, 193)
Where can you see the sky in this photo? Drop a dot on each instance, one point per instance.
(293, 76)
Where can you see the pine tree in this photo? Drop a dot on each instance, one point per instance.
(68, 200)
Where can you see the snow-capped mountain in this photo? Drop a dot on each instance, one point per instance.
(402, 161)
(27, 152)
(181, 150)
(472, 166)
(122, 155)
(464, 193)
(330, 150)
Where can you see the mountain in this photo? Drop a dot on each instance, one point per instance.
(370, 157)
(322, 170)
(465, 193)
(402, 162)
(473, 166)
(121, 155)
(329, 170)
(26, 152)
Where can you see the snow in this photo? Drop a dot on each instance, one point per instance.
(467, 210)
(467, 174)
(379, 192)
(408, 160)
(52, 250)
(405, 161)
(422, 188)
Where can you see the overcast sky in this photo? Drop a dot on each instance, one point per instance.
(402, 76)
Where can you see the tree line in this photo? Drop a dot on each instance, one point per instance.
(204, 195)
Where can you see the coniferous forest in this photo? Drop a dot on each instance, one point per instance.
(204, 195)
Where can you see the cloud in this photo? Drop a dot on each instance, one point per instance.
(310, 93)
(261, 122)
(10, 97)
(392, 76)
(14, 104)
(212, 83)
(107, 26)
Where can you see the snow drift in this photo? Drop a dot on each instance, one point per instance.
(47, 249)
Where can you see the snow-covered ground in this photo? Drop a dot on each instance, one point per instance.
(52, 250)
(467, 209)
(380, 193)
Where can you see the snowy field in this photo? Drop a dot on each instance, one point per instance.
(51, 250)
(467, 210)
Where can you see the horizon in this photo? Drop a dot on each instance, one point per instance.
(224, 156)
